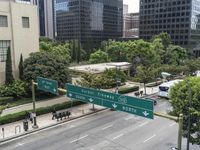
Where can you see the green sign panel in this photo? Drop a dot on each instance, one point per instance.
(133, 105)
(47, 85)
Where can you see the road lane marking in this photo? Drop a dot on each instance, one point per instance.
(72, 126)
(172, 124)
(143, 124)
(107, 127)
(54, 126)
(75, 140)
(149, 138)
(118, 136)
(19, 144)
(128, 118)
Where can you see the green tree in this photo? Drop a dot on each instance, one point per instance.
(59, 49)
(142, 53)
(78, 52)
(158, 47)
(99, 57)
(104, 80)
(172, 69)
(46, 65)
(21, 67)
(165, 38)
(9, 74)
(193, 65)
(145, 74)
(175, 55)
(180, 101)
(117, 51)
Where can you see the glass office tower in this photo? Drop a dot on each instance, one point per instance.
(179, 18)
(90, 21)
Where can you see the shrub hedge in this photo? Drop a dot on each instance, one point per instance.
(40, 111)
(128, 89)
(153, 84)
(5, 100)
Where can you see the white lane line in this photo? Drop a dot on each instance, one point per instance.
(128, 118)
(19, 144)
(143, 124)
(57, 125)
(75, 140)
(104, 128)
(72, 126)
(149, 138)
(172, 124)
(118, 136)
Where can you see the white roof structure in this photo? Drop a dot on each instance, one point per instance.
(100, 68)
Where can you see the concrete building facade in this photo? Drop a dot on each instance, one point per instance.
(19, 31)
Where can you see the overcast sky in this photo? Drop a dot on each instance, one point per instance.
(133, 5)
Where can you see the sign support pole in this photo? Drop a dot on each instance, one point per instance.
(93, 107)
(180, 128)
(180, 131)
(34, 110)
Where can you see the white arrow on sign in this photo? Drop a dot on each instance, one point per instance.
(145, 113)
(70, 94)
(91, 100)
(114, 105)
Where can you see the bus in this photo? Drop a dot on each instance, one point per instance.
(164, 88)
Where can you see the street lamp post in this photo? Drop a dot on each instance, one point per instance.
(190, 105)
(34, 109)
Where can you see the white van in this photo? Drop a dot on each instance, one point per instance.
(164, 88)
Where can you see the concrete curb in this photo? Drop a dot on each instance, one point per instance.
(46, 127)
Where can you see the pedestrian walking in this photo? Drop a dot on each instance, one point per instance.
(31, 117)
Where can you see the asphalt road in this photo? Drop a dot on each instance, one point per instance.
(109, 130)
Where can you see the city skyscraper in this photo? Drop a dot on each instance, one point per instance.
(89, 21)
(179, 18)
(46, 17)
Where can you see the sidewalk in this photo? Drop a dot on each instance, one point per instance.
(16, 128)
(57, 100)
(62, 99)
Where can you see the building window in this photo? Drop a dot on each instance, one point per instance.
(3, 50)
(3, 21)
(25, 22)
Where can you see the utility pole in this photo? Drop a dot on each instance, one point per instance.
(34, 110)
(118, 80)
(190, 105)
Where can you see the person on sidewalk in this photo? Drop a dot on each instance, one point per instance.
(31, 117)
(53, 114)
(27, 116)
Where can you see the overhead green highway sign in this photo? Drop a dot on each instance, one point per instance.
(133, 105)
(47, 85)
